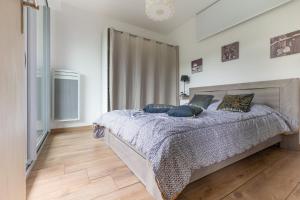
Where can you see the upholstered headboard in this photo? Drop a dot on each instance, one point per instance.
(281, 95)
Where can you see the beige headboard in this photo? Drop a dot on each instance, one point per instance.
(281, 95)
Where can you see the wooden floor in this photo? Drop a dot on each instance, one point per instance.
(74, 166)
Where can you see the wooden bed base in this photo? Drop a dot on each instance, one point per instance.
(142, 168)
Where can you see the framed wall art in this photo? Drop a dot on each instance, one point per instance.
(197, 66)
(231, 52)
(285, 45)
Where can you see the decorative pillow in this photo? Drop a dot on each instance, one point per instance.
(202, 101)
(236, 103)
(196, 110)
(157, 108)
(184, 111)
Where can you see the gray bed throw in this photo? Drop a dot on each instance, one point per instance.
(177, 146)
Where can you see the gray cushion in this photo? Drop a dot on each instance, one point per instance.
(202, 101)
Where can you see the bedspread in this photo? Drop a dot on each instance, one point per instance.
(176, 146)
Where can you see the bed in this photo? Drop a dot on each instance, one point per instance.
(280, 95)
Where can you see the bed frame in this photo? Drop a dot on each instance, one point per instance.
(282, 95)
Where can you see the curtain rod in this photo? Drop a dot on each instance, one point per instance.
(133, 35)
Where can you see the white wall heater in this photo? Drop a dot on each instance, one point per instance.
(65, 95)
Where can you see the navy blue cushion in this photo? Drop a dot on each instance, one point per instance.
(184, 111)
(157, 108)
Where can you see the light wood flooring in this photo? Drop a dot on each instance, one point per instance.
(74, 166)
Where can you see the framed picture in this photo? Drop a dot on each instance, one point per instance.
(285, 45)
(197, 66)
(231, 52)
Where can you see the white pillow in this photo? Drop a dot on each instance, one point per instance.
(214, 106)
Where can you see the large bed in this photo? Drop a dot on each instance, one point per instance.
(168, 153)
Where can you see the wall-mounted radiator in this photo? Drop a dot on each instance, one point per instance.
(65, 95)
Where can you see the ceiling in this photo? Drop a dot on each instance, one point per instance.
(133, 12)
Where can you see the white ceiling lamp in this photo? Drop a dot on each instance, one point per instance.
(160, 10)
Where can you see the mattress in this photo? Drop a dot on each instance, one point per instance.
(177, 146)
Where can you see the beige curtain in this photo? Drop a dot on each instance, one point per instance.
(141, 71)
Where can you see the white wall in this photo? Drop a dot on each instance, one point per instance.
(76, 44)
(254, 37)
